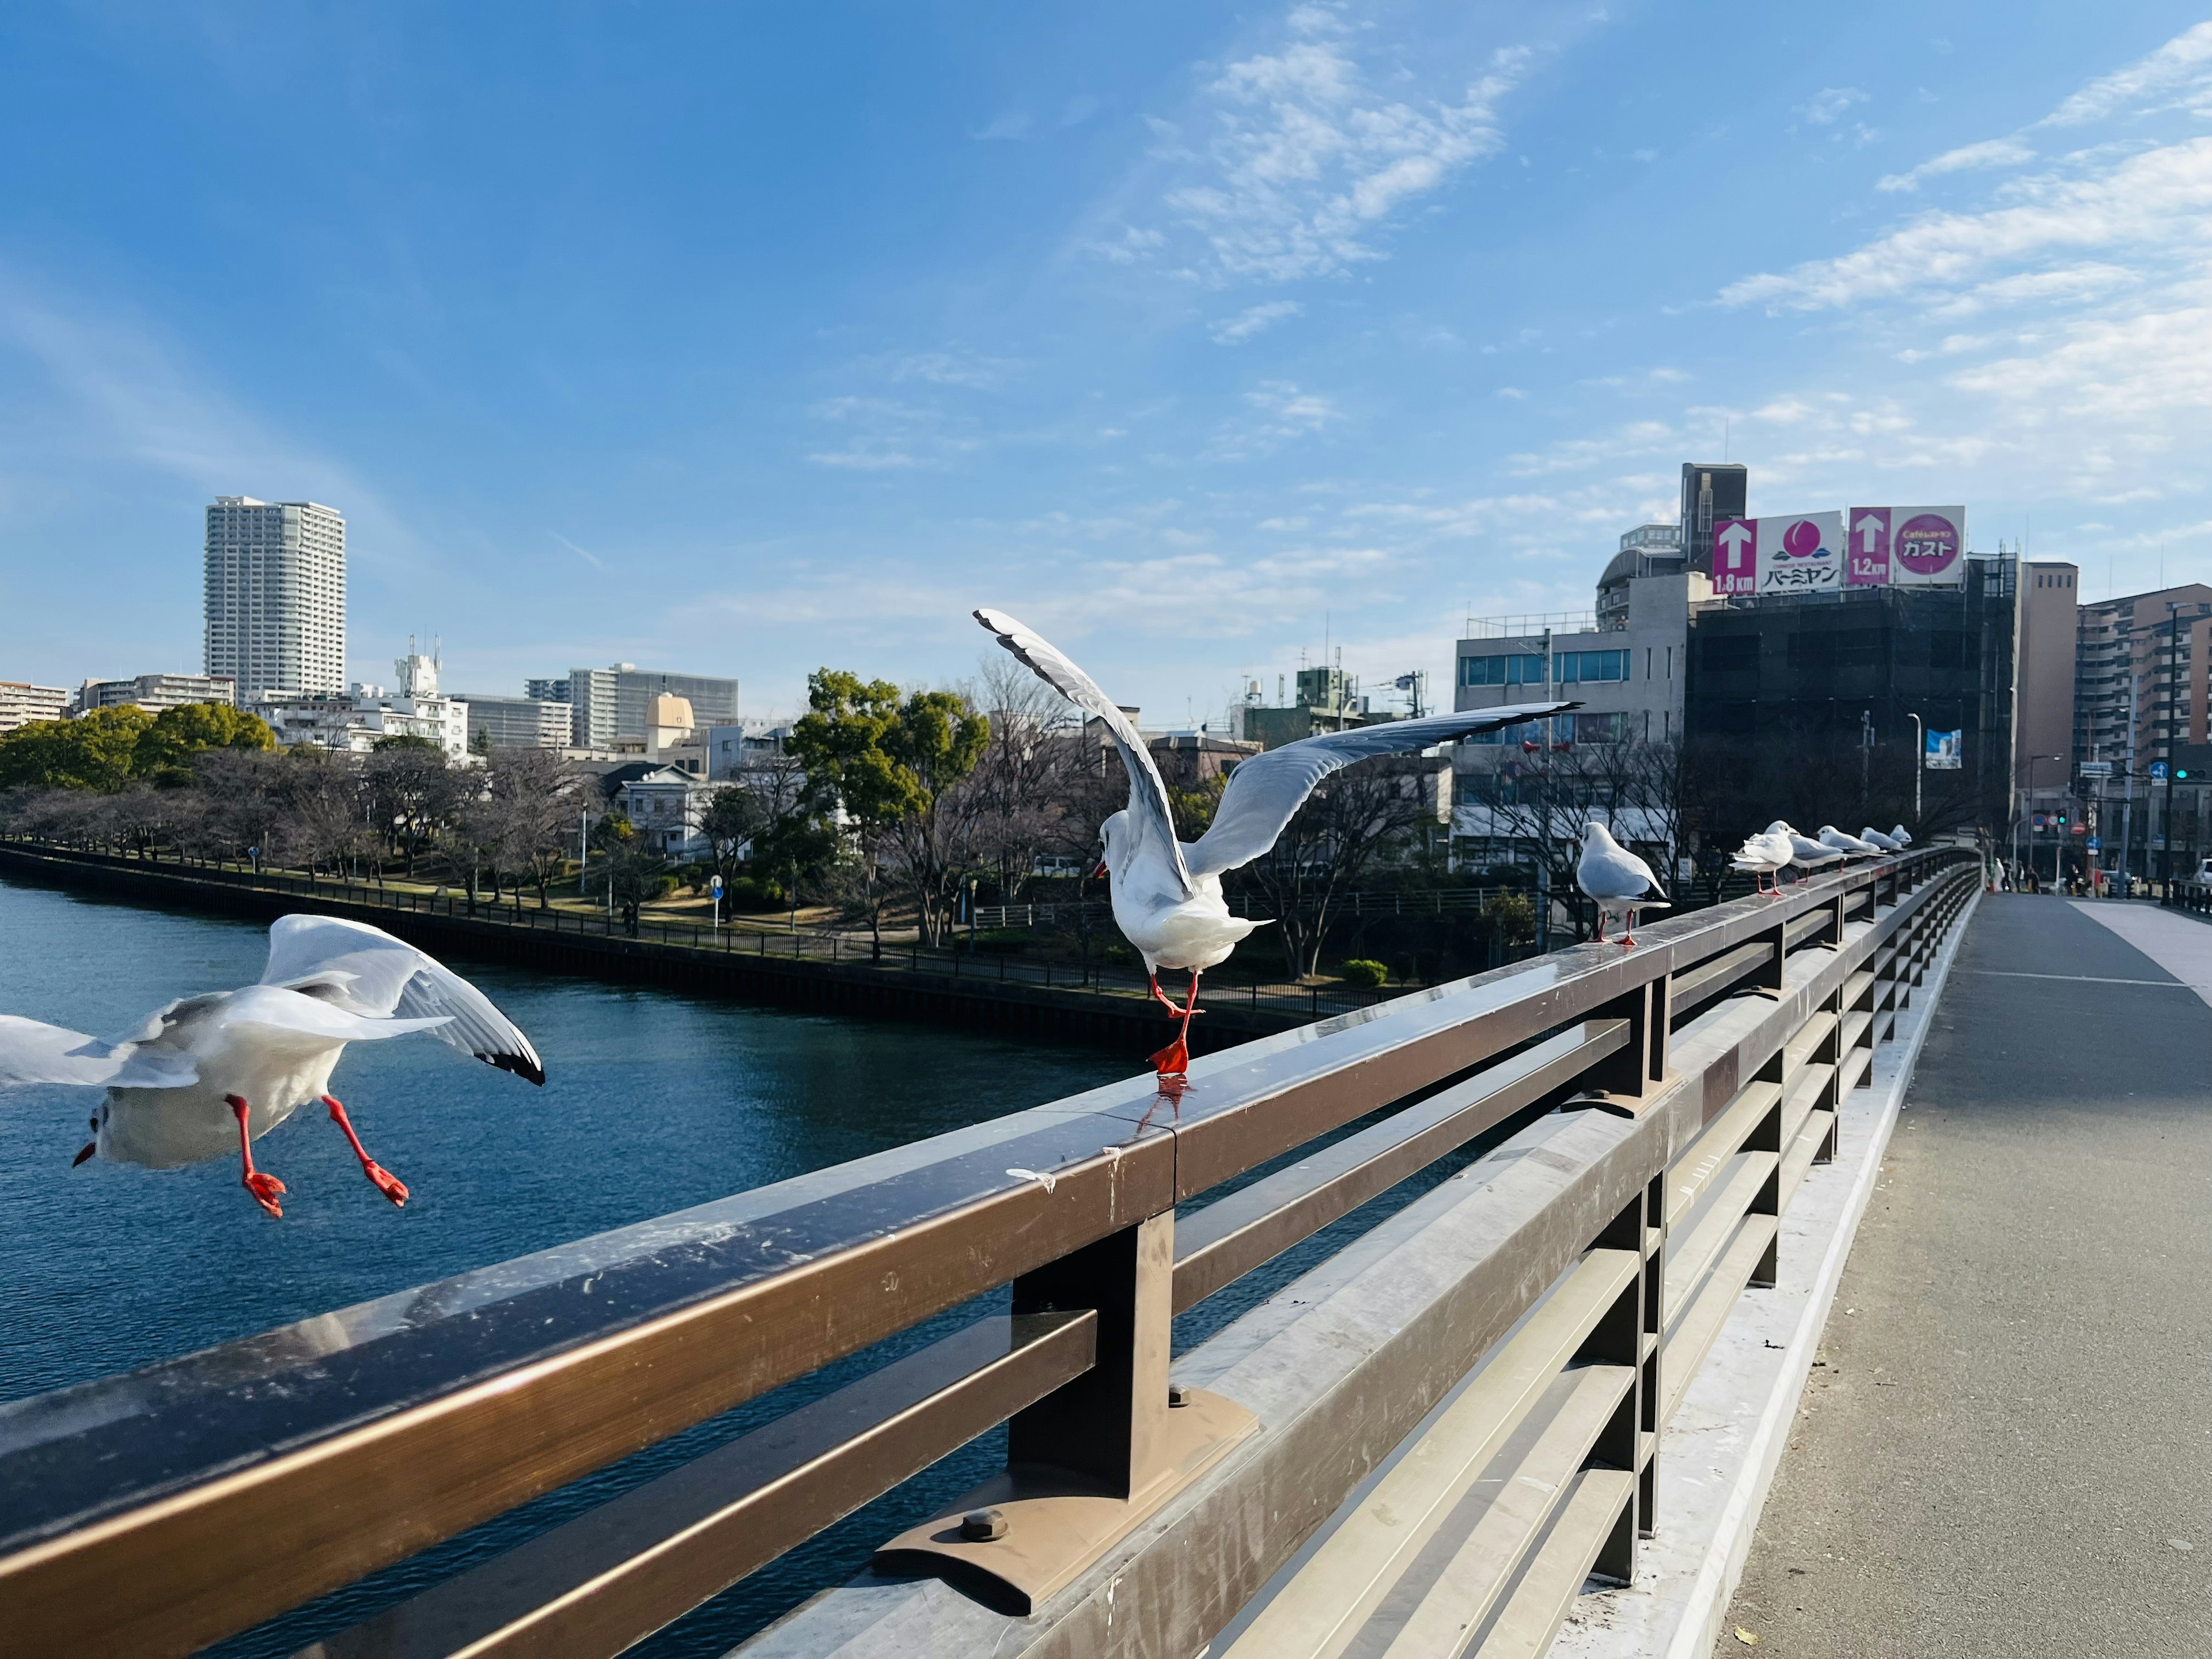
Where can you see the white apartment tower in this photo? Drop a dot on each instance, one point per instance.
(276, 595)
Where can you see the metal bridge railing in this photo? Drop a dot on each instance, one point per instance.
(1670, 1100)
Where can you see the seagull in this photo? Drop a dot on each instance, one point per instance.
(227, 1063)
(1166, 893)
(1617, 880)
(1805, 853)
(1887, 843)
(1764, 855)
(1849, 846)
(1902, 837)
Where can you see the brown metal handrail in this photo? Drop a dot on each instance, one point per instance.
(156, 1511)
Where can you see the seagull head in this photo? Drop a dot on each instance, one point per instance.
(1778, 828)
(1113, 844)
(1595, 834)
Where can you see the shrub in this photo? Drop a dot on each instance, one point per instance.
(1511, 917)
(1366, 973)
(753, 893)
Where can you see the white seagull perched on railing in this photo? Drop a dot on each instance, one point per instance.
(1887, 843)
(1901, 836)
(1620, 882)
(1764, 854)
(1851, 846)
(1167, 893)
(225, 1067)
(1805, 853)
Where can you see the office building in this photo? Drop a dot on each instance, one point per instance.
(1802, 708)
(1328, 699)
(1710, 493)
(154, 692)
(497, 722)
(612, 705)
(22, 703)
(552, 690)
(275, 596)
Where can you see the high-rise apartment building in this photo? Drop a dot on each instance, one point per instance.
(276, 595)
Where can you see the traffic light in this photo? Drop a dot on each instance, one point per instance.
(2181, 775)
(2062, 820)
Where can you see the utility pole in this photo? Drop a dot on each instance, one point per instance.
(1865, 759)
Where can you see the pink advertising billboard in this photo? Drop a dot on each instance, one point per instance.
(1735, 561)
(1906, 547)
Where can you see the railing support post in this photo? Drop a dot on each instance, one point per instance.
(1109, 1424)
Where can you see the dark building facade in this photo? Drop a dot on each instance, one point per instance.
(1711, 492)
(1800, 708)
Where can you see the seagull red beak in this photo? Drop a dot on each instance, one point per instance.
(1099, 874)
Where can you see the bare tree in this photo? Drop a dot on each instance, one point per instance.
(528, 804)
(414, 793)
(1018, 779)
(1356, 819)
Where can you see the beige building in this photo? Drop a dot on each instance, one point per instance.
(2049, 648)
(275, 576)
(22, 702)
(154, 692)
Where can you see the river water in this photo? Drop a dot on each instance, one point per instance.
(652, 1101)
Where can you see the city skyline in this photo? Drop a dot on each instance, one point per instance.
(1193, 339)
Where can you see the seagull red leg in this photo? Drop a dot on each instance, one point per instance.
(386, 1182)
(265, 1188)
(1174, 1060)
(1163, 998)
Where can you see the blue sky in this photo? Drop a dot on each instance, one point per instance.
(744, 341)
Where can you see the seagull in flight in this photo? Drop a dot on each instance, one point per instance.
(1167, 893)
(228, 1063)
(1622, 882)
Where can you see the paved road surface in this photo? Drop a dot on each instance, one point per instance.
(2006, 1448)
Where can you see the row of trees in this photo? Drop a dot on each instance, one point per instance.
(886, 799)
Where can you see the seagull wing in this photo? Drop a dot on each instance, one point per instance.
(1149, 816)
(363, 970)
(32, 1052)
(302, 1021)
(1612, 872)
(1266, 791)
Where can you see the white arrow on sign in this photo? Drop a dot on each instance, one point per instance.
(1734, 537)
(1869, 529)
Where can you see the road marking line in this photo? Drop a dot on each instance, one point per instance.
(2079, 979)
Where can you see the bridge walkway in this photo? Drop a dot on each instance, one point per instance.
(2006, 1448)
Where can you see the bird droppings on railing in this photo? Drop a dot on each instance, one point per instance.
(1044, 1178)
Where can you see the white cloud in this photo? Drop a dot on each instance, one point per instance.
(1990, 153)
(1256, 319)
(1292, 413)
(1829, 104)
(2155, 198)
(1308, 161)
(2183, 66)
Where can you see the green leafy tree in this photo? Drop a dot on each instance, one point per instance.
(166, 749)
(895, 764)
(98, 751)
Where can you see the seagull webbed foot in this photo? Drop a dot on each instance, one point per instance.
(265, 1188)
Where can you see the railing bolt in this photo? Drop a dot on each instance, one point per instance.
(981, 1525)
(1178, 1394)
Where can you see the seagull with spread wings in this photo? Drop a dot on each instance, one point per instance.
(1167, 893)
(228, 1063)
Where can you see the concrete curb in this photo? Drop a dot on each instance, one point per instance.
(1719, 1455)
